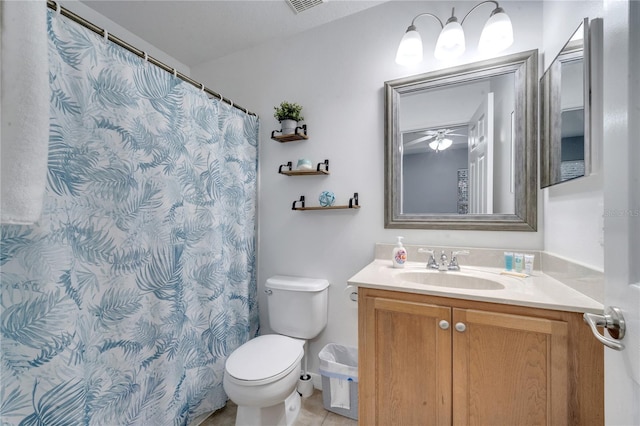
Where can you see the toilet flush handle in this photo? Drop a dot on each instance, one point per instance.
(268, 291)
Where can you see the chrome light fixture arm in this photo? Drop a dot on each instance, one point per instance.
(498, 9)
(412, 27)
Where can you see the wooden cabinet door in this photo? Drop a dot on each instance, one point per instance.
(509, 369)
(404, 363)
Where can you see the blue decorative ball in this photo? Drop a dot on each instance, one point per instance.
(327, 198)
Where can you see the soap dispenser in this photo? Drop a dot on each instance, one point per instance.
(399, 255)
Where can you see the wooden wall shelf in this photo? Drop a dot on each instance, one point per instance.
(299, 134)
(353, 204)
(287, 169)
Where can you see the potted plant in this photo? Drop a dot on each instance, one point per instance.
(288, 114)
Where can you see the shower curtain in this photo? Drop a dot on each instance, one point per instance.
(122, 303)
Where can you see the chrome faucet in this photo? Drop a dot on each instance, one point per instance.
(453, 265)
(442, 265)
(431, 263)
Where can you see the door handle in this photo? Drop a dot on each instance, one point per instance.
(613, 321)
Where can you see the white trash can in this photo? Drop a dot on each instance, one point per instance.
(339, 371)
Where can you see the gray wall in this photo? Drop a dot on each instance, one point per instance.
(431, 181)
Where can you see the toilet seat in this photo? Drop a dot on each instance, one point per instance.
(264, 359)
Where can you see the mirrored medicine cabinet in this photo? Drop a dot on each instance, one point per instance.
(566, 122)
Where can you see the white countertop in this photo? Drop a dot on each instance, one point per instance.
(538, 290)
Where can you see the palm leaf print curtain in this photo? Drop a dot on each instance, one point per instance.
(121, 305)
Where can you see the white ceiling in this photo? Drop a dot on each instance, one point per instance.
(194, 32)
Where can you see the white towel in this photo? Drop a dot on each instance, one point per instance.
(24, 110)
(340, 393)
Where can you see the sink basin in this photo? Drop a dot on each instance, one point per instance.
(448, 279)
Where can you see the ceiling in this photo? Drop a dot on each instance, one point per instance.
(194, 32)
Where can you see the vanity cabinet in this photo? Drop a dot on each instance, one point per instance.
(428, 360)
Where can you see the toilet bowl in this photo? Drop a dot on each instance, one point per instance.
(261, 377)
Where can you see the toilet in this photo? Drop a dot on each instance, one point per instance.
(261, 375)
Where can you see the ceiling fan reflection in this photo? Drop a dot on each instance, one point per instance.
(439, 140)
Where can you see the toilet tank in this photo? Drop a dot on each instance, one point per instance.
(297, 306)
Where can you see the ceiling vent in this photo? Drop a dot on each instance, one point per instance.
(302, 5)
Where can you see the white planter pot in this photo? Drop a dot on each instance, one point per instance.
(288, 126)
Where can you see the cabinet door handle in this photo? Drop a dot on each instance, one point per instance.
(460, 327)
(444, 324)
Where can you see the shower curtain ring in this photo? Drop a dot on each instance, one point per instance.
(175, 72)
(231, 102)
(58, 8)
(105, 35)
(202, 87)
(146, 57)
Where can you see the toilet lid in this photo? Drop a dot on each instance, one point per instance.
(264, 357)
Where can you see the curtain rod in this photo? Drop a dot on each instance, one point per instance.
(142, 54)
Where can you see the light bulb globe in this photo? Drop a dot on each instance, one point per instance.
(410, 48)
(450, 42)
(445, 143)
(440, 144)
(497, 34)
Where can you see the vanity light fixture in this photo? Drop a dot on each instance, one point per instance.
(497, 35)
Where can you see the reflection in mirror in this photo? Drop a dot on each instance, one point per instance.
(565, 135)
(461, 147)
(459, 136)
(435, 155)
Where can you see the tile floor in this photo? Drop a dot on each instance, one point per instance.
(312, 413)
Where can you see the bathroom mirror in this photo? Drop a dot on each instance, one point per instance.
(565, 132)
(460, 147)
